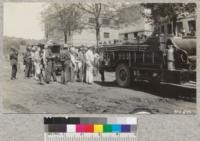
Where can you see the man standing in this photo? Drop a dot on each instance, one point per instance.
(13, 62)
(72, 64)
(65, 60)
(89, 66)
(37, 63)
(96, 63)
(27, 62)
(32, 60)
(49, 69)
(44, 59)
(101, 67)
(81, 63)
(84, 64)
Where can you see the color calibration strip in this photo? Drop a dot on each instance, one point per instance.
(90, 125)
(90, 129)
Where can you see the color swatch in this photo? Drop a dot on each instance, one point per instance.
(91, 125)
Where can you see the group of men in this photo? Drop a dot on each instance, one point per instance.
(76, 64)
(81, 64)
(34, 63)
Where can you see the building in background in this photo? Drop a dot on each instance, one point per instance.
(139, 31)
(185, 25)
(111, 31)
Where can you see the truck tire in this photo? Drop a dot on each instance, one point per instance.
(123, 75)
(155, 80)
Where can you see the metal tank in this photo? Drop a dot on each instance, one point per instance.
(186, 49)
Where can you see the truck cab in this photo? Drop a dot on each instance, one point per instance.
(56, 49)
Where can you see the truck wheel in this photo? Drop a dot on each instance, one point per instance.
(155, 81)
(123, 75)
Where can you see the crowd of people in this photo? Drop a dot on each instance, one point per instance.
(74, 64)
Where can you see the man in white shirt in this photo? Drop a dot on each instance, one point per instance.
(89, 66)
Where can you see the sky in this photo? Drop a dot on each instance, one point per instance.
(23, 20)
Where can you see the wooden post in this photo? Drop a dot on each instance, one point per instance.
(143, 57)
(129, 59)
(153, 57)
(135, 57)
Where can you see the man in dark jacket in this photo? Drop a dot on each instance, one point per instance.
(50, 71)
(66, 63)
(102, 67)
(27, 62)
(13, 62)
(81, 59)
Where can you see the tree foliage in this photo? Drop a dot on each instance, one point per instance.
(63, 17)
(170, 11)
(130, 14)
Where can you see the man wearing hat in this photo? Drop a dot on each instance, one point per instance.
(27, 62)
(89, 66)
(13, 62)
(81, 65)
(32, 60)
(72, 64)
(37, 63)
(66, 63)
(50, 65)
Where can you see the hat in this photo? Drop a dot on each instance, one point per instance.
(28, 48)
(12, 48)
(49, 43)
(34, 48)
(65, 46)
(71, 49)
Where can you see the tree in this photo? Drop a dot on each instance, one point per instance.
(170, 11)
(62, 17)
(129, 14)
(95, 11)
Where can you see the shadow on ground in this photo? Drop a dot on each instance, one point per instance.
(163, 90)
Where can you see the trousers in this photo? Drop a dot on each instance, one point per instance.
(50, 72)
(28, 68)
(14, 71)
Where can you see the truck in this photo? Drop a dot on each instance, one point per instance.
(164, 58)
(56, 49)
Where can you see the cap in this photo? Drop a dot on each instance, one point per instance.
(65, 46)
(34, 48)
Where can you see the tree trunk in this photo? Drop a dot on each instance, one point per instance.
(97, 33)
(69, 37)
(65, 37)
(174, 20)
(47, 36)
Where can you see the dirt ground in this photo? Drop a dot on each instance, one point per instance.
(28, 96)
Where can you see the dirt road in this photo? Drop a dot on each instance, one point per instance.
(28, 96)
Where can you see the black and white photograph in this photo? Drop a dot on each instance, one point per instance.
(99, 58)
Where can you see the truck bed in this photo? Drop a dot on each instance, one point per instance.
(138, 47)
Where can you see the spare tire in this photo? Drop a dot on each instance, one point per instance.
(123, 75)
